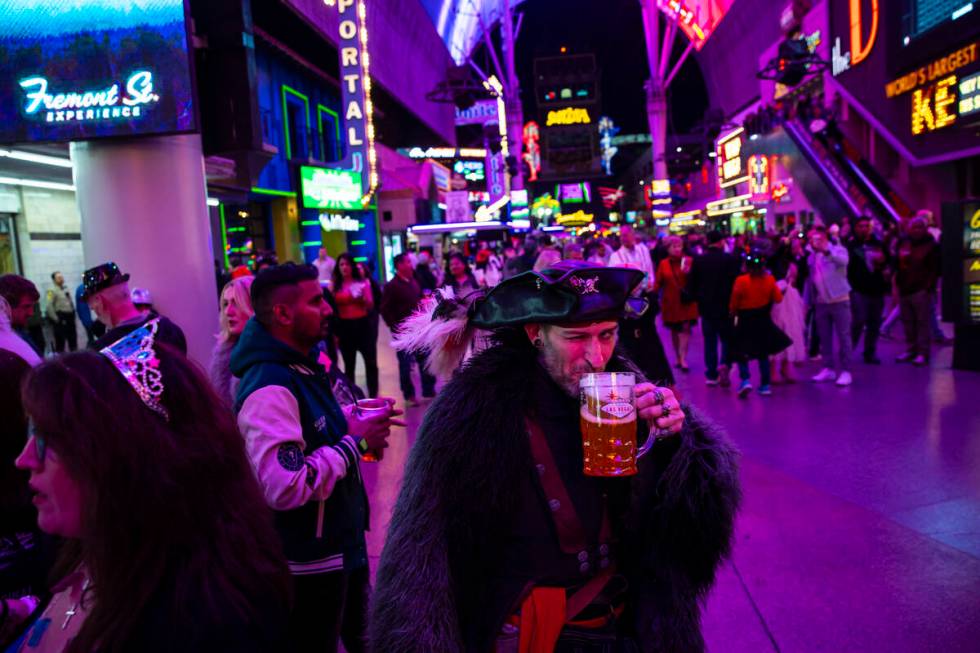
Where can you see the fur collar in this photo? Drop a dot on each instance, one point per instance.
(459, 486)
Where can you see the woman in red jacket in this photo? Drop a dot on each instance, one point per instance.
(680, 312)
(756, 336)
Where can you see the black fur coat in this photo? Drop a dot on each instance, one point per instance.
(460, 484)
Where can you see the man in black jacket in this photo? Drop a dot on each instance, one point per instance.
(399, 300)
(306, 450)
(495, 512)
(710, 282)
(867, 272)
(106, 291)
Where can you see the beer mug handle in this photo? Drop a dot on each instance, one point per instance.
(651, 439)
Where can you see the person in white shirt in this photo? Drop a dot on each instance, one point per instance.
(633, 255)
(325, 264)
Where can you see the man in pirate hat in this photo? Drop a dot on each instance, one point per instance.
(499, 541)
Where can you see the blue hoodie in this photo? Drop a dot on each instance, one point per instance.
(306, 462)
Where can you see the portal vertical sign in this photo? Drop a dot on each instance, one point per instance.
(355, 77)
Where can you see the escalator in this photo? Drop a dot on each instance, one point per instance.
(857, 188)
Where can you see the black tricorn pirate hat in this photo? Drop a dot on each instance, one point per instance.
(569, 292)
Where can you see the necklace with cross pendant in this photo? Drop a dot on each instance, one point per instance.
(73, 610)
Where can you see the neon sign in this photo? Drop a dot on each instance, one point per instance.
(578, 219)
(445, 153)
(938, 68)
(780, 193)
(607, 129)
(334, 222)
(532, 149)
(471, 170)
(355, 88)
(568, 116)
(499, 178)
(970, 94)
(696, 18)
(729, 156)
(483, 112)
(90, 105)
(544, 207)
(858, 52)
(323, 188)
(758, 175)
(658, 193)
(75, 71)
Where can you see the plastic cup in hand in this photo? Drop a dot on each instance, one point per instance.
(369, 408)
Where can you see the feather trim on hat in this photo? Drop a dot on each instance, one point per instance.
(440, 329)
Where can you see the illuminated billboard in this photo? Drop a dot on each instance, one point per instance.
(728, 154)
(696, 18)
(471, 170)
(78, 70)
(915, 82)
(327, 189)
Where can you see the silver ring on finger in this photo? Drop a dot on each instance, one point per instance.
(658, 396)
(666, 411)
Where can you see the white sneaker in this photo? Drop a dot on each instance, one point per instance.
(826, 374)
(844, 379)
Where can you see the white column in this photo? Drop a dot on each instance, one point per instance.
(143, 204)
(512, 99)
(655, 92)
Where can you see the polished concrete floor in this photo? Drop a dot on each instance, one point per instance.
(860, 529)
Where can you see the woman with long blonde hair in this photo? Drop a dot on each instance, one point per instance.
(235, 311)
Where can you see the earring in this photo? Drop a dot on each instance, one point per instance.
(537, 343)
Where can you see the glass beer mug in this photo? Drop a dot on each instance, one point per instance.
(607, 415)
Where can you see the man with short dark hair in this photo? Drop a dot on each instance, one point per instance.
(61, 312)
(867, 267)
(400, 299)
(305, 450)
(710, 282)
(106, 291)
(21, 295)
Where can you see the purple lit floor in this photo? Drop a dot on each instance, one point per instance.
(860, 529)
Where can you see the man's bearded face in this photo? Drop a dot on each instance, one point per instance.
(570, 352)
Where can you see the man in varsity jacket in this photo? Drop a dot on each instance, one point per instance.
(305, 450)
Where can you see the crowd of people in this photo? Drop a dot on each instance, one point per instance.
(159, 507)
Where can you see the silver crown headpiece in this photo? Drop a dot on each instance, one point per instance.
(134, 357)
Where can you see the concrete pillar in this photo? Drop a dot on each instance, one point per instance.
(143, 204)
(512, 99)
(655, 93)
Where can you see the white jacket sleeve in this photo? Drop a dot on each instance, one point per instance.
(270, 422)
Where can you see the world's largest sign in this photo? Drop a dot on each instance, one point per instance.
(93, 69)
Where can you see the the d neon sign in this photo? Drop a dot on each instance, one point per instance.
(858, 52)
(841, 61)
